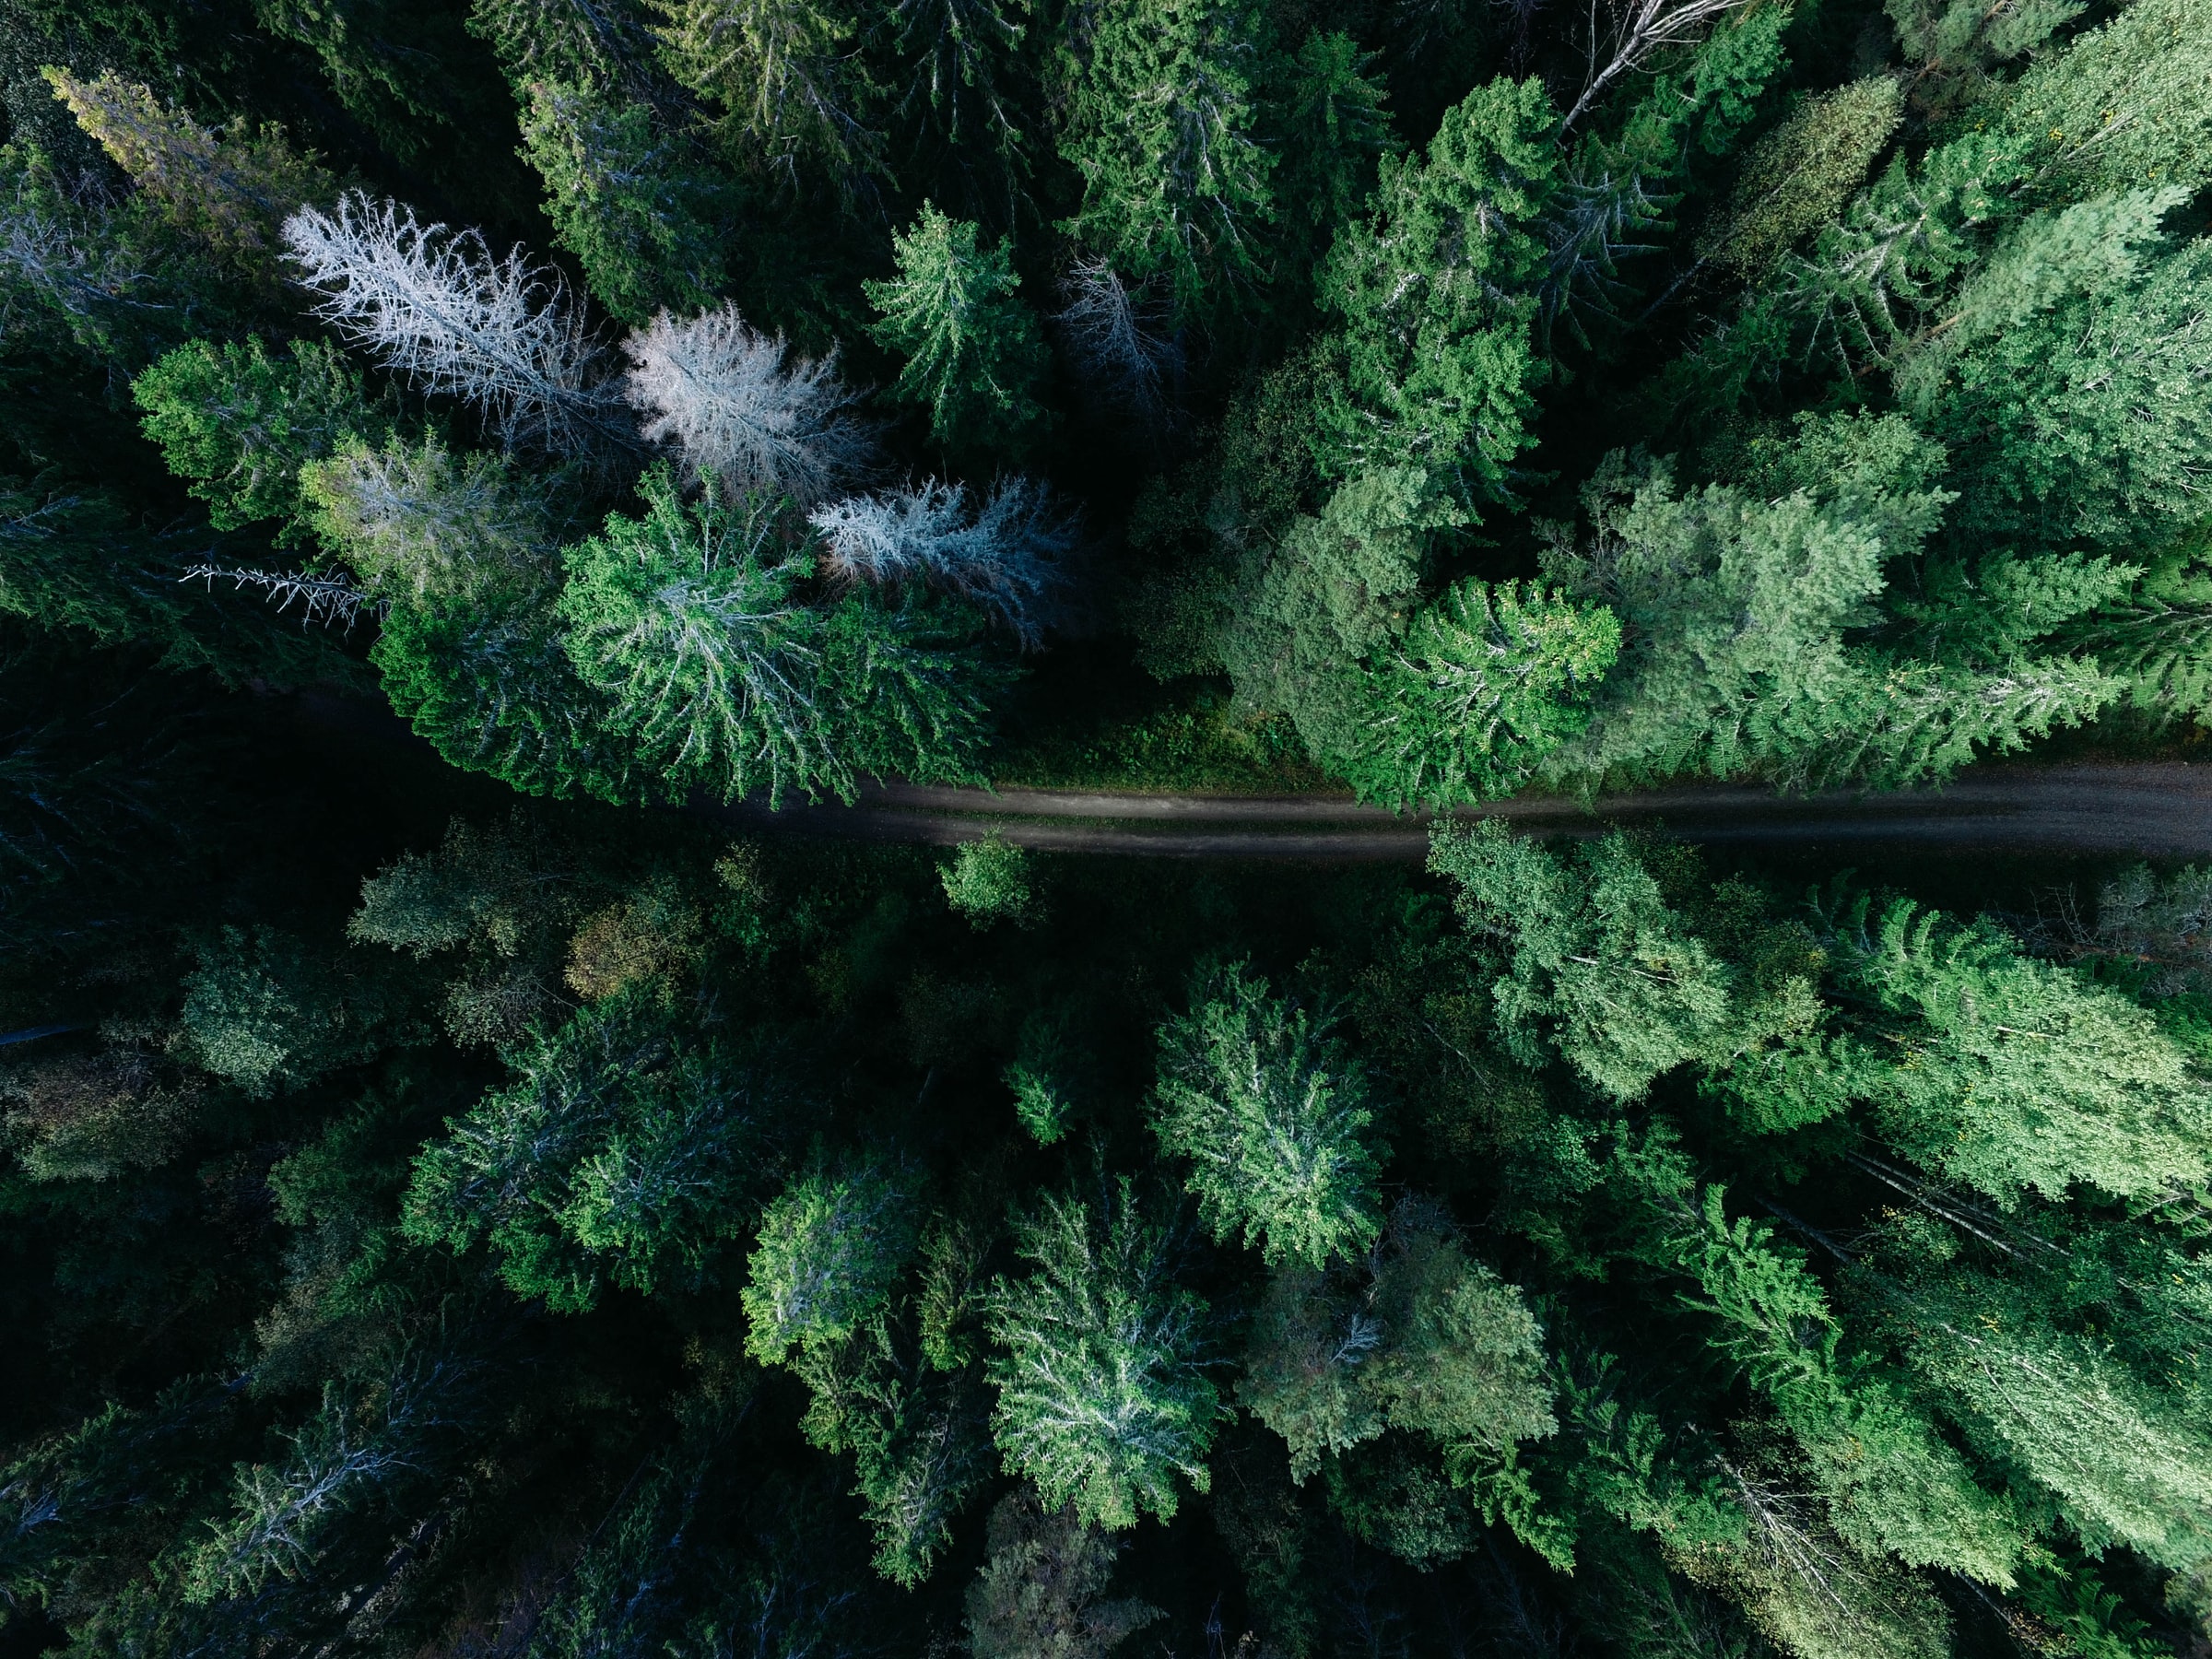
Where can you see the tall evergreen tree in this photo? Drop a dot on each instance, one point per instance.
(973, 352)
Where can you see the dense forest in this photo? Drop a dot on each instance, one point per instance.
(461, 1194)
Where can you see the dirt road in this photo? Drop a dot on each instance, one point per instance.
(2156, 810)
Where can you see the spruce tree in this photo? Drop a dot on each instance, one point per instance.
(1435, 286)
(1102, 1399)
(973, 352)
(1162, 124)
(1269, 1111)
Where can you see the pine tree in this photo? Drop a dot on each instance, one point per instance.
(965, 91)
(795, 99)
(1485, 683)
(641, 216)
(1738, 616)
(908, 691)
(2158, 638)
(1334, 131)
(1162, 124)
(1957, 44)
(2086, 418)
(1599, 967)
(1798, 178)
(2016, 1074)
(622, 1153)
(831, 1246)
(1330, 598)
(420, 521)
(1267, 1107)
(973, 352)
(1892, 1482)
(1042, 1588)
(231, 192)
(1431, 1344)
(1103, 1400)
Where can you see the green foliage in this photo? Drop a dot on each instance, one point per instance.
(1798, 177)
(792, 99)
(1268, 1109)
(1957, 44)
(2158, 638)
(2120, 108)
(1435, 287)
(641, 216)
(2085, 420)
(2016, 1073)
(988, 881)
(243, 425)
(263, 1011)
(1334, 131)
(1743, 624)
(1103, 1399)
(1599, 967)
(227, 193)
(973, 352)
(1333, 593)
(1485, 683)
(622, 1151)
(686, 621)
(1040, 1591)
(1162, 124)
(830, 1247)
(1602, 1252)
(420, 523)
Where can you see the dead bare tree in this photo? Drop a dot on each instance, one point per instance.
(1623, 36)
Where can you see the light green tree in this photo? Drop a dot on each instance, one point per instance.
(1103, 1400)
(688, 622)
(1272, 1113)
(240, 424)
(988, 881)
(830, 1247)
(1487, 682)
(2011, 1074)
(1743, 619)
(1598, 967)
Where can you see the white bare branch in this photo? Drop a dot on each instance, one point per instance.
(435, 304)
(319, 599)
(1113, 336)
(1634, 30)
(742, 407)
(1013, 555)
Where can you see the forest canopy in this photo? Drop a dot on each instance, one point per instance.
(463, 1194)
